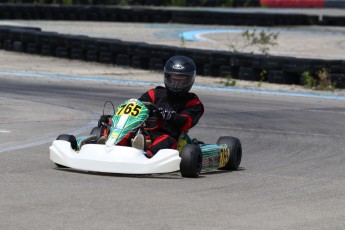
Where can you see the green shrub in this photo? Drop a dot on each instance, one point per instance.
(263, 76)
(324, 81)
(262, 40)
(307, 80)
(229, 81)
(178, 2)
(319, 81)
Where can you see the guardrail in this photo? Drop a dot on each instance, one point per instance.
(274, 69)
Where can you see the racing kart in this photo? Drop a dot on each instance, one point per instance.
(100, 152)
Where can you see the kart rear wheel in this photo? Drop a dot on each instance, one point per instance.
(70, 138)
(191, 161)
(235, 148)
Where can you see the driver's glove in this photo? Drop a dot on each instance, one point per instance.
(165, 114)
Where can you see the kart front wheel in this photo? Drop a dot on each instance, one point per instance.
(235, 149)
(191, 161)
(70, 138)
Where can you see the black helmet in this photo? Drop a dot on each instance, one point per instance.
(179, 75)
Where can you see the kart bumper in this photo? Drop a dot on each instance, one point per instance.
(113, 159)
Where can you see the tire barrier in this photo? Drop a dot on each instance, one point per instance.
(203, 3)
(274, 69)
(189, 3)
(334, 4)
(83, 12)
(155, 15)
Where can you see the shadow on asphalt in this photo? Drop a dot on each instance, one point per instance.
(173, 175)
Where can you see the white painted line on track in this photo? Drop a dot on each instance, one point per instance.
(196, 35)
(273, 131)
(4, 131)
(45, 141)
(324, 111)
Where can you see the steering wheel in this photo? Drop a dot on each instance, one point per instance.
(152, 123)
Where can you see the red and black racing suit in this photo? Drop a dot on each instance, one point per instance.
(188, 110)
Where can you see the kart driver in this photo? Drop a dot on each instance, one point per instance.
(179, 109)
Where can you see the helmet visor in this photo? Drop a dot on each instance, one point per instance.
(177, 82)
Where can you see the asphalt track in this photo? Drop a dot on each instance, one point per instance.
(291, 176)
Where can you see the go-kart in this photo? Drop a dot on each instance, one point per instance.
(100, 152)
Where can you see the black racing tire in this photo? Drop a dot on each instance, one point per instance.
(97, 131)
(235, 148)
(70, 138)
(191, 161)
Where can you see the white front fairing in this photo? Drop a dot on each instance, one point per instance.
(113, 159)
